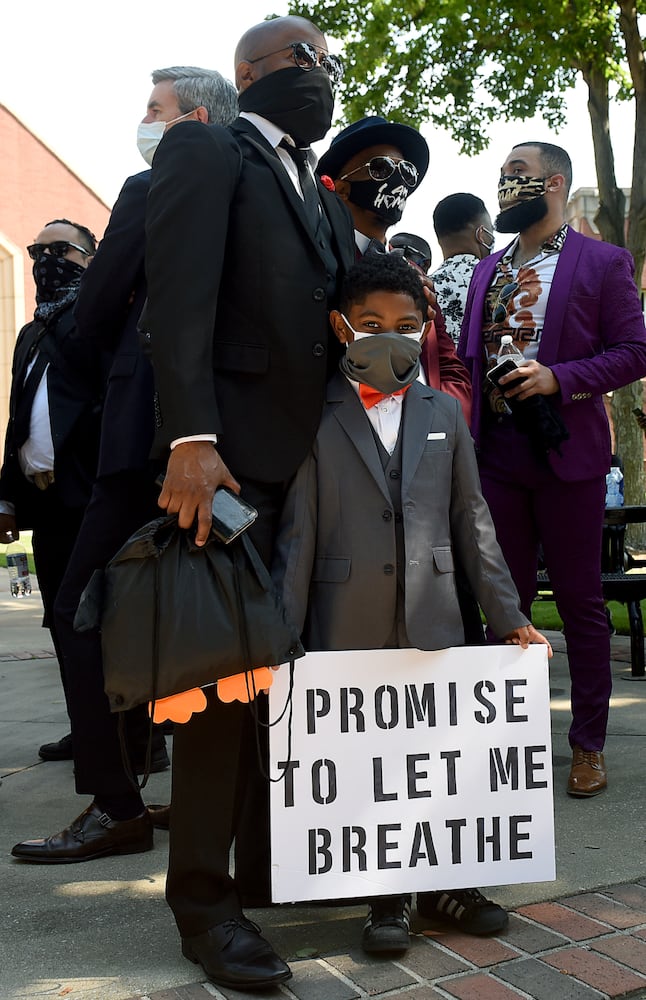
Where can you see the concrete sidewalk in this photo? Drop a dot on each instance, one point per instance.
(102, 931)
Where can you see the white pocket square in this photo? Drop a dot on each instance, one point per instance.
(439, 436)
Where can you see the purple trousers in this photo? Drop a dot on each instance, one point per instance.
(530, 505)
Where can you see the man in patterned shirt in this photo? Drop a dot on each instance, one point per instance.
(571, 306)
(464, 231)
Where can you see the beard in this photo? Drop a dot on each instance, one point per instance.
(521, 216)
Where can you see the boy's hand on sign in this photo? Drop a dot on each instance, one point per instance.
(525, 635)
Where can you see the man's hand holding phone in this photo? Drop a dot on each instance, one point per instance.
(195, 470)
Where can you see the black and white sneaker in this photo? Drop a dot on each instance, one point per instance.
(388, 925)
(465, 909)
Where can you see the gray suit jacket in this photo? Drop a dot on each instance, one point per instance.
(336, 546)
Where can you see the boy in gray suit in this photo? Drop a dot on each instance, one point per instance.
(389, 492)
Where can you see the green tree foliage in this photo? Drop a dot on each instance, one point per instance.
(463, 64)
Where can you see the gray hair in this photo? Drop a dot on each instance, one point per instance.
(195, 87)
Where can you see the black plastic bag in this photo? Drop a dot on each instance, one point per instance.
(175, 616)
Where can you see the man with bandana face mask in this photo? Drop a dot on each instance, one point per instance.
(244, 249)
(572, 308)
(54, 410)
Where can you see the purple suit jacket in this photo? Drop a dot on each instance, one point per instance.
(593, 339)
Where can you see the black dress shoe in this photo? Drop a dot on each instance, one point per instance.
(160, 815)
(91, 835)
(61, 750)
(235, 954)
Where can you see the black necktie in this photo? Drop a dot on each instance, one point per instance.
(25, 400)
(308, 186)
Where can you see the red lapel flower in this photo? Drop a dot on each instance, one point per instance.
(327, 182)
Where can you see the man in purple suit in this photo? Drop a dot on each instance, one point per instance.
(571, 305)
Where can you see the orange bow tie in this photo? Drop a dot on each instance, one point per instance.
(370, 397)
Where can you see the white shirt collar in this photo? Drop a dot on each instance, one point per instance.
(273, 134)
(361, 241)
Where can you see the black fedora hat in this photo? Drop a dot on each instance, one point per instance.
(374, 131)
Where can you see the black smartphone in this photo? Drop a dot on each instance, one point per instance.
(505, 367)
(231, 514)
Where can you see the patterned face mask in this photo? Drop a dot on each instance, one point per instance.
(515, 188)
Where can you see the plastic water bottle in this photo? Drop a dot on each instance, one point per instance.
(509, 350)
(615, 487)
(18, 566)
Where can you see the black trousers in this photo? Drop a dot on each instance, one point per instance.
(120, 504)
(55, 528)
(219, 793)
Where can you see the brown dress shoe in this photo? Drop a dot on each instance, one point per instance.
(91, 835)
(160, 815)
(587, 774)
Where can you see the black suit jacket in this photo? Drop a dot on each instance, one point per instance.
(74, 396)
(112, 295)
(238, 298)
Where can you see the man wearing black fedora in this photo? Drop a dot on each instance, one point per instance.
(374, 166)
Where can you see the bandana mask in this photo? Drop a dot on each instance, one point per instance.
(513, 189)
(385, 361)
(55, 277)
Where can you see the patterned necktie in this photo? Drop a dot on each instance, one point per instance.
(308, 187)
(370, 397)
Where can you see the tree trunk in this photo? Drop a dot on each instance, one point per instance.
(612, 203)
(629, 436)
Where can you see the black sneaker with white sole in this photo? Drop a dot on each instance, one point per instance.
(388, 925)
(465, 909)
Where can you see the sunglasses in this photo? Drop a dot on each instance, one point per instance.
(307, 57)
(485, 238)
(380, 168)
(59, 248)
(500, 310)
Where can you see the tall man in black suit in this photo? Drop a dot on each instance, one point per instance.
(244, 252)
(239, 276)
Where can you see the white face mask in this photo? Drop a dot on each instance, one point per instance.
(149, 135)
(415, 335)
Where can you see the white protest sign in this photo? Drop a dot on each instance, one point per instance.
(411, 771)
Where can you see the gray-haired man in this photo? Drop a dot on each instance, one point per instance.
(123, 497)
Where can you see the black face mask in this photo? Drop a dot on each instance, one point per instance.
(300, 103)
(386, 199)
(521, 216)
(55, 277)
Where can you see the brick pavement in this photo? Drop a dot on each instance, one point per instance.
(582, 947)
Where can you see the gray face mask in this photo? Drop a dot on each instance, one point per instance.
(385, 361)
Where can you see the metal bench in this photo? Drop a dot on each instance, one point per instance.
(620, 582)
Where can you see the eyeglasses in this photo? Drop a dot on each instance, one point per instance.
(380, 168)
(500, 310)
(308, 56)
(485, 238)
(59, 248)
